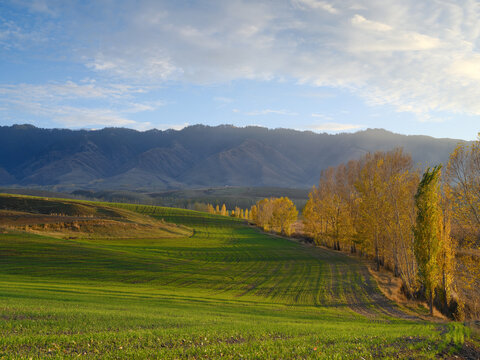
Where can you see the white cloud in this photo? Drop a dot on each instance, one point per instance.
(421, 57)
(467, 68)
(67, 90)
(380, 37)
(171, 126)
(317, 4)
(81, 117)
(146, 67)
(388, 53)
(335, 127)
(270, 112)
(360, 21)
(64, 103)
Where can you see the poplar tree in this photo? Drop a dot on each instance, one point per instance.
(254, 214)
(224, 210)
(313, 217)
(428, 231)
(447, 253)
(463, 184)
(373, 189)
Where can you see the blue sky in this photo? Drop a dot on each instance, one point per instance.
(328, 66)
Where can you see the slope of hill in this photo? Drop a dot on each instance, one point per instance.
(73, 219)
(227, 291)
(197, 156)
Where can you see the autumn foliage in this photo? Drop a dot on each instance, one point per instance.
(271, 214)
(416, 226)
(275, 214)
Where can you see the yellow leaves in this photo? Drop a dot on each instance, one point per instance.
(210, 209)
(277, 214)
(463, 181)
(368, 203)
(432, 236)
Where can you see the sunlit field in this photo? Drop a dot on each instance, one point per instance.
(223, 289)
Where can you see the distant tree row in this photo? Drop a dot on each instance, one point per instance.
(271, 214)
(380, 207)
(237, 212)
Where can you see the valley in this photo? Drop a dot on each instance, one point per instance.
(222, 290)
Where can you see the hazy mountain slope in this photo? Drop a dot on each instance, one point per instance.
(251, 163)
(195, 156)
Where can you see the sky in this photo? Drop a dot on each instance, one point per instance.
(411, 67)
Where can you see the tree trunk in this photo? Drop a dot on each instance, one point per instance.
(396, 272)
(444, 288)
(431, 303)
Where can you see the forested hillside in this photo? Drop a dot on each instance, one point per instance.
(197, 156)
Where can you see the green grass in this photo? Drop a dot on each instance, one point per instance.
(226, 291)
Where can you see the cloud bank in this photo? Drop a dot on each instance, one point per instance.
(74, 104)
(419, 57)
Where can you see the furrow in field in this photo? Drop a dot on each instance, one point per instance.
(242, 263)
(352, 283)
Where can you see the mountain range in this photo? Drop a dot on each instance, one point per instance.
(194, 157)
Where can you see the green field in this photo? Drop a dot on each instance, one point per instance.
(225, 290)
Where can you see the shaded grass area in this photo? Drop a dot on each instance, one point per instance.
(226, 291)
(80, 219)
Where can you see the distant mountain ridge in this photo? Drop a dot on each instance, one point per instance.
(196, 156)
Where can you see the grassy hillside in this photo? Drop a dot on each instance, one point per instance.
(225, 290)
(74, 219)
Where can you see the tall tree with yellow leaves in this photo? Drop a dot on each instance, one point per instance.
(210, 209)
(373, 191)
(312, 216)
(463, 177)
(428, 232)
(447, 253)
(284, 215)
(463, 182)
(264, 211)
(254, 214)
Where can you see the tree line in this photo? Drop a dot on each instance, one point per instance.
(237, 212)
(424, 228)
(271, 214)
